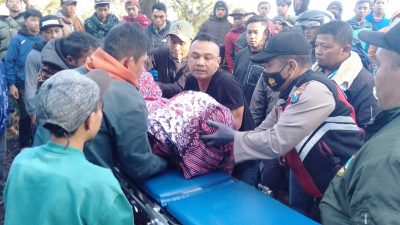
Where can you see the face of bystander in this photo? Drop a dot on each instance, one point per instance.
(159, 18)
(52, 33)
(264, 9)
(361, 11)
(387, 79)
(329, 52)
(179, 49)
(132, 11)
(32, 24)
(102, 13)
(204, 60)
(220, 12)
(68, 9)
(256, 35)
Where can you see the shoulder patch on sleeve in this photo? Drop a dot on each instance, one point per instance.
(296, 93)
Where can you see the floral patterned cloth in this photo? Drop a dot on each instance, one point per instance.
(175, 127)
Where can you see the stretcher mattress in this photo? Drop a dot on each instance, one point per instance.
(217, 198)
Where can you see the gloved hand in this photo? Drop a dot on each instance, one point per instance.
(223, 134)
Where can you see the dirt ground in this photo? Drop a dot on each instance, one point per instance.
(12, 150)
(12, 147)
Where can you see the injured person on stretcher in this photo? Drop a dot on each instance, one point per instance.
(175, 126)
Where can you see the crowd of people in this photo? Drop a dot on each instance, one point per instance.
(305, 103)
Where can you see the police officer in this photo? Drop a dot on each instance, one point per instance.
(312, 124)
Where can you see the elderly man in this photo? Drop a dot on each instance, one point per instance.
(207, 77)
(312, 111)
(170, 63)
(365, 191)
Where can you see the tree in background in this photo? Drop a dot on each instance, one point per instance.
(193, 11)
(145, 6)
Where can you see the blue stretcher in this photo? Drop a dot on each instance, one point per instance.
(213, 199)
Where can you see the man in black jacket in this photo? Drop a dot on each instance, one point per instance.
(245, 70)
(340, 64)
(170, 62)
(159, 27)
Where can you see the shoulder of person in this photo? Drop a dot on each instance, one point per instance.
(243, 52)
(311, 89)
(227, 80)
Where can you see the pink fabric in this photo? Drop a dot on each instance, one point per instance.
(177, 124)
(141, 19)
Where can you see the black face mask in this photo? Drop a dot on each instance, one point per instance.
(274, 80)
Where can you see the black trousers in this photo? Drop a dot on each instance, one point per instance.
(25, 125)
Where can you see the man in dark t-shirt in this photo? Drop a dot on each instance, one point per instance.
(203, 64)
(228, 92)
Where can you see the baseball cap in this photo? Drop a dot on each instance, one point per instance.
(388, 40)
(49, 21)
(183, 30)
(97, 2)
(132, 2)
(68, 1)
(67, 98)
(284, 43)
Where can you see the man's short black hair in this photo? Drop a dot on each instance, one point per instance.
(126, 40)
(360, 2)
(375, 1)
(262, 3)
(76, 44)
(32, 13)
(205, 37)
(283, 2)
(340, 30)
(257, 19)
(102, 5)
(159, 6)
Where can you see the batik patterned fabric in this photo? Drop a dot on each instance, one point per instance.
(175, 127)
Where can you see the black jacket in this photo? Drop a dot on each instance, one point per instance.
(157, 37)
(247, 72)
(263, 101)
(360, 95)
(172, 74)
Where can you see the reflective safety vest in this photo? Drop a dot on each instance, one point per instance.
(317, 158)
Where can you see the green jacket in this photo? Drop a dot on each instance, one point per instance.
(366, 190)
(8, 29)
(51, 184)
